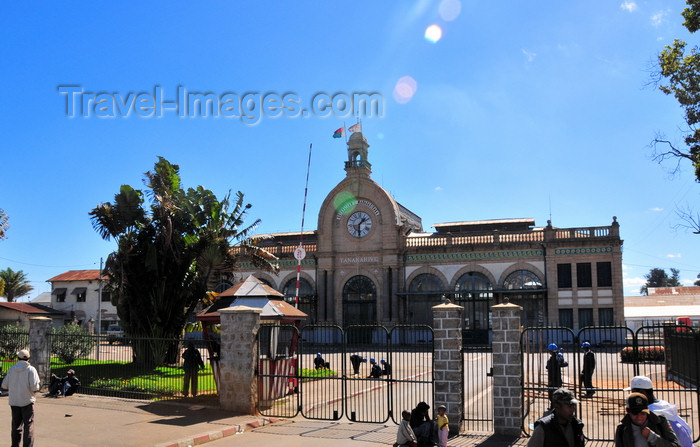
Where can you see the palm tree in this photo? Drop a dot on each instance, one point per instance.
(167, 251)
(16, 284)
(3, 224)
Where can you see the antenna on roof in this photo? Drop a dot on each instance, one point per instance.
(550, 207)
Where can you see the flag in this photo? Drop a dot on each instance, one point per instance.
(356, 128)
(339, 132)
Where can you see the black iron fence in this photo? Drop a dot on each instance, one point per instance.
(667, 356)
(140, 368)
(362, 373)
(478, 389)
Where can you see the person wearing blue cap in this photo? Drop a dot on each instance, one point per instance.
(386, 368)
(320, 363)
(588, 368)
(554, 366)
(375, 372)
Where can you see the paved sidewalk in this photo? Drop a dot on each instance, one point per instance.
(92, 421)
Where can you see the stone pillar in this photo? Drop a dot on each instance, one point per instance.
(448, 367)
(39, 350)
(238, 389)
(507, 369)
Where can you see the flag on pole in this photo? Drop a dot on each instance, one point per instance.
(356, 128)
(339, 132)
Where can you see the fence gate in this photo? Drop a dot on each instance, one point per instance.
(658, 352)
(477, 385)
(329, 374)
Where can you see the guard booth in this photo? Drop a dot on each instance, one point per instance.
(278, 337)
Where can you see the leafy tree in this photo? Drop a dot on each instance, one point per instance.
(2, 287)
(697, 283)
(658, 277)
(71, 342)
(4, 226)
(16, 284)
(679, 76)
(168, 250)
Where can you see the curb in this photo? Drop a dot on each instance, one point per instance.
(203, 438)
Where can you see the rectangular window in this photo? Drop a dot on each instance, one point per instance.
(585, 318)
(60, 294)
(80, 294)
(564, 276)
(583, 275)
(605, 316)
(106, 296)
(604, 273)
(566, 318)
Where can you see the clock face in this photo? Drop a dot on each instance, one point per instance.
(359, 224)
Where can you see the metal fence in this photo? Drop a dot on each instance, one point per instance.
(620, 355)
(478, 389)
(362, 373)
(139, 368)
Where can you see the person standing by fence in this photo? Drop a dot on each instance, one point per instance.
(192, 363)
(22, 381)
(588, 368)
(554, 366)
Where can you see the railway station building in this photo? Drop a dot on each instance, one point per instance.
(370, 260)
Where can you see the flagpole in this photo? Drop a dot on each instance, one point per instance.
(300, 253)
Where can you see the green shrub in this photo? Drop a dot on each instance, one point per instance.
(644, 353)
(12, 339)
(71, 342)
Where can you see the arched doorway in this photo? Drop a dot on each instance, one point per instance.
(359, 301)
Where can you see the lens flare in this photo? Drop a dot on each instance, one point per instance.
(433, 33)
(342, 200)
(404, 89)
(449, 9)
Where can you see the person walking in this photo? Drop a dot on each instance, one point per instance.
(22, 381)
(588, 368)
(641, 427)
(192, 363)
(644, 385)
(560, 428)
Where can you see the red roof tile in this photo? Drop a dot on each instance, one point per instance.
(78, 275)
(30, 308)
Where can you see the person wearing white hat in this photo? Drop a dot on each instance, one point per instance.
(22, 381)
(643, 384)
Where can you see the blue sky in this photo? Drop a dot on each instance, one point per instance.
(518, 110)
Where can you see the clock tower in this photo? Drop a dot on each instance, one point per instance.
(361, 235)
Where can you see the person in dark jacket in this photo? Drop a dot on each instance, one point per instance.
(560, 428)
(588, 368)
(192, 363)
(320, 363)
(375, 371)
(356, 360)
(642, 427)
(554, 366)
(422, 423)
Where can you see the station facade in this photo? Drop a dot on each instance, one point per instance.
(370, 261)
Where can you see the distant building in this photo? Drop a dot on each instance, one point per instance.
(77, 294)
(18, 313)
(663, 304)
(370, 261)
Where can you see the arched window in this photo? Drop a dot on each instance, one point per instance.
(473, 292)
(527, 292)
(424, 292)
(359, 300)
(307, 297)
(223, 285)
(522, 279)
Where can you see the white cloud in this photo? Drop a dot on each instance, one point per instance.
(629, 6)
(657, 209)
(632, 285)
(658, 18)
(671, 255)
(438, 188)
(529, 55)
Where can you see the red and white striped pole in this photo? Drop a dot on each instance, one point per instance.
(300, 253)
